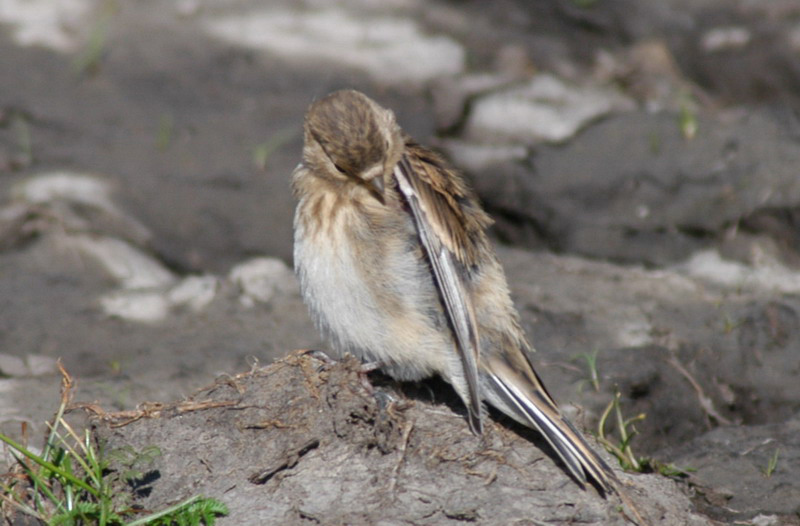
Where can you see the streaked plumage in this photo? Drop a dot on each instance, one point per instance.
(395, 266)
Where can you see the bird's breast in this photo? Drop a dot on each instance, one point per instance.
(368, 287)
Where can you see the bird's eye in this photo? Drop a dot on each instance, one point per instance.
(341, 170)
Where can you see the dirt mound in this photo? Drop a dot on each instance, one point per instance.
(304, 441)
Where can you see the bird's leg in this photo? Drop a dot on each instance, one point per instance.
(363, 374)
(368, 367)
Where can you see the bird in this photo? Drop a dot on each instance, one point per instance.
(395, 266)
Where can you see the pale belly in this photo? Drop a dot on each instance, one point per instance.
(401, 324)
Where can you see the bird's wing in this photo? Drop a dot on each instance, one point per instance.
(451, 251)
(451, 226)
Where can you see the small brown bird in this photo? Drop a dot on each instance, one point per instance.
(391, 251)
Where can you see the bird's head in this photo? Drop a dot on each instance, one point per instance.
(348, 136)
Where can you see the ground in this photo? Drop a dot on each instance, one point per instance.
(639, 160)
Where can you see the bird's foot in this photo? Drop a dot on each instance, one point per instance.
(320, 355)
(363, 371)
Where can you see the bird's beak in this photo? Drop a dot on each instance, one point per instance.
(378, 188)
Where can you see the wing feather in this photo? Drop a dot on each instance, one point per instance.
(451, 208)
(526, 396)
(449, 278)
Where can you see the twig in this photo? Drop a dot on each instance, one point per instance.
(706, 404)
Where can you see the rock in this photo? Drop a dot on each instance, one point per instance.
(262, 278)
(12, 365)
(392, 49)
(128, 265)
(31, 365)
(144, 306)
(194, 292)
(643, 205)
(544, 109)
(39, 365)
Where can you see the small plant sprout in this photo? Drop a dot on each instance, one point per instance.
(165, 133)
(772, 463)
(622, 450)
(687, 118)
(591, 362)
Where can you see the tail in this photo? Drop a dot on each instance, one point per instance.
(524, 398)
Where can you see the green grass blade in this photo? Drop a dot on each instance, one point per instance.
(152, 517)
(48, 465)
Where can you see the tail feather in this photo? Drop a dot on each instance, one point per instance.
(567, 442)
